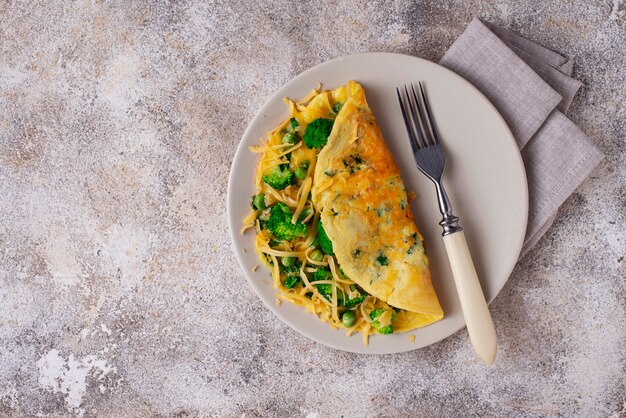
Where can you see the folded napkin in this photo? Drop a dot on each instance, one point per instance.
(532, 88)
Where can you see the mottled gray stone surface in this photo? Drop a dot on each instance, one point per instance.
(119, 294)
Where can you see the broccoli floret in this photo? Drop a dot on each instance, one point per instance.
(376, 325)
(353, 302)
(279, 223)
(278, 178)
(325, 242)
(385, 330)
(376, 313)
(326, 290)
(317, 132)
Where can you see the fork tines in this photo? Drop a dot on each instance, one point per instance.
(417, 117)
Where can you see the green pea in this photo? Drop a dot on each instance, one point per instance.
(259, 201)
(289, 138)
(349, 319)
(300, 173)
(288, 261)
(317, 255)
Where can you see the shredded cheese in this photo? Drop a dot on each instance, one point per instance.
(334, 300)
(273, 252)
(292, 149)
(275, 272)
(333, 270)
(366, 333)
(311, 261)
(261, 149)
(385, 318)
(303, 195)
(365, 305)
(249, 220)
(310, 215)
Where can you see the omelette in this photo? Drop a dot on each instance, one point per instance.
(333, 222)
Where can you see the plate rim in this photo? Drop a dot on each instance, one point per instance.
(241, 148)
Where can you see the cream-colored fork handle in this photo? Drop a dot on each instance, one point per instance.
(475, 310)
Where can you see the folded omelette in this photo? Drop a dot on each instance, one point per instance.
(332, 220)
(364, 210)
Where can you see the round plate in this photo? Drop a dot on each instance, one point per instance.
(484, 178)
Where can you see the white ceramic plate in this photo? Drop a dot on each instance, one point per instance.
(485, 180)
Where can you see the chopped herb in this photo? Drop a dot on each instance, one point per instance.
(381, 211)
(381, 260)
(330, 172)
(337, 107)
(353, 163)
(291, 281)
(416, 244)
(294, 123)
(356, 253)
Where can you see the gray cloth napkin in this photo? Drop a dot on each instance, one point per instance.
(532, 88)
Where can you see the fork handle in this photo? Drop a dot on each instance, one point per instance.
(475, 310)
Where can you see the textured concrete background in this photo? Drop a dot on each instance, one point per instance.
(119, 294)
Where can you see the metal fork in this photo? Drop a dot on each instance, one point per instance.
(431, 161)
